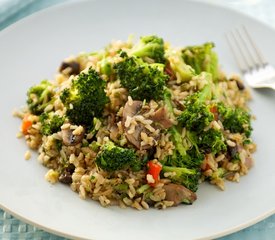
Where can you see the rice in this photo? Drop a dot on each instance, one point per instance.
(71, 151)
(28, 155)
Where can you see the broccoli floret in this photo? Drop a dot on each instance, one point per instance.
(202, 58)
(183, 71)
(212, 141)
(50, 123)
(39, 96)
(106, 67)
(151, 47)
(85, 99)
(186, 158)
(143, 80)
(187, 177)
(185, 154)
(237, 120)
(113, 158)
(197, 115)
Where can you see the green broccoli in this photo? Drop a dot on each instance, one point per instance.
(85, 99)
(112, 158)
(187, 177)
(212, 140)
(235, 119)
(202, 58)
(183, 71)
(143, 80)
(151, 47)
(39, 96)
(197, 114)
(106, 67)
(186, 157)
(50, 123)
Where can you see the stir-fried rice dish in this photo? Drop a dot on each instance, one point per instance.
(140, 123)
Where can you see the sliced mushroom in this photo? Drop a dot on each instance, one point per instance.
(66, 175)
(131, 109)
(179, 194)
(135, 139)
(160, 120)
(69, 139)
(240, 85)
(160, 116)
(73, 67)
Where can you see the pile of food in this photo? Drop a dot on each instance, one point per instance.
(140, 124)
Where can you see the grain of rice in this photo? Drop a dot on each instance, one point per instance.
(220, 158)
(242, 155)
(78, 130)
(128, 122)
(208, 173)
(82, 192)
(230, 143)
(48, 108)
(104, 201)
(144, 121)
(121, 204)
(130, 181)
(52, 176)
(216, 125)
(236, 177)
(65, 126)
(183, 132)
(232, 166)
(132, 127)
(130, 101)
(137, 205)
(144, 137)
(150, 128)
(169, 174)
(19, 135)
(127, 201)
(144, 205)
(150, 178)
(27, 155)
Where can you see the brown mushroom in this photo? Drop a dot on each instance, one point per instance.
(179, 194)
(240, 85)
(69, 139)
(160, 120)
(131, 109)
(66, 175)
(73, 67)
(135, 139)
(160, 116)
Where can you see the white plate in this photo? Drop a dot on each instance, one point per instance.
(32, 49)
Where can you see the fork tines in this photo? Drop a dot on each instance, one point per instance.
(245, 51)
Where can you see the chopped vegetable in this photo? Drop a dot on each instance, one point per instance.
(26, 125)
(154, 169)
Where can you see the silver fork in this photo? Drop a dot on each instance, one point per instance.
(257, 72)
